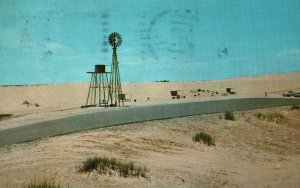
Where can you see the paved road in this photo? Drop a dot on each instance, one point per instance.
(135, 114)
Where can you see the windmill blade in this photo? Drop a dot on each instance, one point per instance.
(115, 39)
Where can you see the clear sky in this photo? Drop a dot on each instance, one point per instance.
(51, 41)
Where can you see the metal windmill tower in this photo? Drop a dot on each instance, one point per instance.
(115, 40)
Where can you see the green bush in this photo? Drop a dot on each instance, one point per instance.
(205, 138)
(103, 165)
(229, 115)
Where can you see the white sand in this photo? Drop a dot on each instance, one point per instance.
(72, 96)
(249, 152)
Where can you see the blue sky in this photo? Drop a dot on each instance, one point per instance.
(179, 40)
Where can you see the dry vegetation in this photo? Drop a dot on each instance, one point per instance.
(5, 116)
(272, 117)
(106, 166)
(205, 138)
(250, 152)
(229, 116)
(46, 182)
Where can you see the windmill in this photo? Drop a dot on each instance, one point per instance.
(115, 40)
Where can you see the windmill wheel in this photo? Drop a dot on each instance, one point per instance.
(115, 39)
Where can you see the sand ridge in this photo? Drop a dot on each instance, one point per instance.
(248, 152)
(63, 97)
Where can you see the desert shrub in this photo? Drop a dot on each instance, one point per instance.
(229, 115)
(248, 120)
(295, 107)
(26, 102)
(259, 115)
(89, 164)
(163, 81)
(271, 117)
(205, 138)
(104, 165)
(5, 116)
(44, 183)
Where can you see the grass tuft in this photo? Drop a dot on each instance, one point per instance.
(295, 107)
(271, 117)
(229, 115)
(5, 116)
(205, 138)
(44, 183)
(104, 165)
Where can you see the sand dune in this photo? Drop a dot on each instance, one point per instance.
(249, 152)
(72, 96)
